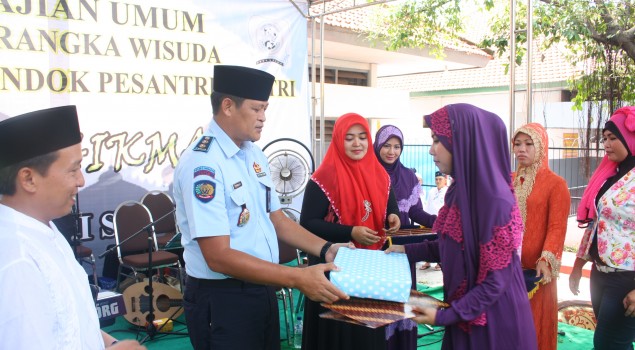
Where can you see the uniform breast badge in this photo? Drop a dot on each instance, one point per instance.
(243, 218)
(368, 210)
(258, 170)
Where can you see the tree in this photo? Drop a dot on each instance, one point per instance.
(599, 36)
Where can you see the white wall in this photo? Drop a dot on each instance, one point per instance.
(366, 101)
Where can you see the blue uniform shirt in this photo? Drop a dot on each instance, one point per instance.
(219, 190)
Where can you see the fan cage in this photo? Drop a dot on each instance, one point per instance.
(289, 172)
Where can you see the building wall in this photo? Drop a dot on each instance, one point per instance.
(548, 110)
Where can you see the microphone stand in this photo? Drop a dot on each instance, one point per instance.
(74, 239)
(150, 328)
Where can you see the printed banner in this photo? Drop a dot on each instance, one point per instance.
(141, 73)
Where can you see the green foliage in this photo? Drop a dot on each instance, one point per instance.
(598, 36)
(432, 24)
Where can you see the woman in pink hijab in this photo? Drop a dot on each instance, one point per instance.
(608, 209)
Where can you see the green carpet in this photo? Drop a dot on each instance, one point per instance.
(574, 338)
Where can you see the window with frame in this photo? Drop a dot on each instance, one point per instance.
(342, 77)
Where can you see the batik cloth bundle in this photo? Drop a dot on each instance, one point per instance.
(377, 313)
(531, 281)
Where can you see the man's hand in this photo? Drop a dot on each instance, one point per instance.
(127, 345)
(364, 235)
(315, 286)
(332, 252)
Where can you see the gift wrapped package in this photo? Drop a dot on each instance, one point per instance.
(373, 274)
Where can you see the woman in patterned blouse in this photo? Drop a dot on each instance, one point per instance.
(608, 207)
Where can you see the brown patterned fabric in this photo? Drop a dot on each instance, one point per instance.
(376, 313)
(412, 231)
(577, 313)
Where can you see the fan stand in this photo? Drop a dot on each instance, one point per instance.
(290, 172)
(285, 175)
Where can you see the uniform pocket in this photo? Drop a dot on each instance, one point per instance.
(239, 196)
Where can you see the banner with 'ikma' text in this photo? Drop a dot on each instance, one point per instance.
(140, 73)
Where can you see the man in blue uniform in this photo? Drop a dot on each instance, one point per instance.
(231, 220)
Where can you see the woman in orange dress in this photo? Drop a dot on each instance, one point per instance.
(543, 200)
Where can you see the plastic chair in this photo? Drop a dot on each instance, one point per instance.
(129, 218)
(161, 207)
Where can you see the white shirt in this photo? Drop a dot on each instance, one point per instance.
(45, 300)
(435, 200)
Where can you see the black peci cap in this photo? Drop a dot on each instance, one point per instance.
(37, 133)
(438, 173)
(244, 82)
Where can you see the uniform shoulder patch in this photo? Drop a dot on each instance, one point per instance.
(205, 171)
(203, 144)
(204, 190)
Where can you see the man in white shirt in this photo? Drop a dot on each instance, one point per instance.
(45, 299)
(434, 202)
(436, 195)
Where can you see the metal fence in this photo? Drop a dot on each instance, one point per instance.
(569, 163)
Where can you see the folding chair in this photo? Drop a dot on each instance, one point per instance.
(161, 207)
(133, 250)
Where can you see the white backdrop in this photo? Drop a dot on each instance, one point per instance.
(140, 73)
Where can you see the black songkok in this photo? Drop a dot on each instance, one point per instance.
(249, 83)
(37, 133)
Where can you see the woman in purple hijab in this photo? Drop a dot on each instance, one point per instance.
(479, 231)
(388, 147)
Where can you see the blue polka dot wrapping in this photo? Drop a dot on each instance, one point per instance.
(372, 274)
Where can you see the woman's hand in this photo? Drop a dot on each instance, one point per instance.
(332, 252)
(396, 249)
(576, 275)
(364, 235)
(629, 304)
(425, 315)
(394, 223)
(542, 269)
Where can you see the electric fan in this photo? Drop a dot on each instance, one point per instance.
(290, 171)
